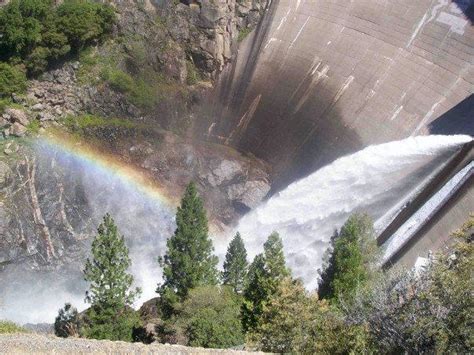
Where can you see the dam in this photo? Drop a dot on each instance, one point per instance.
(318, 80)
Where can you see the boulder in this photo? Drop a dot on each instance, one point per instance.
(17, 130)
(225, 171)
(18, 116)
(248, 194)
(37, 107)
(150, 310)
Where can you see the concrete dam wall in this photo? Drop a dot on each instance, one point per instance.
(322, 78)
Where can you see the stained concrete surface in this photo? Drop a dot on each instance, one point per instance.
(320, 79)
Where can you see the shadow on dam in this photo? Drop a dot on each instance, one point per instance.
(316, 81)
(467, 7)
(275, 111)
(458, 120)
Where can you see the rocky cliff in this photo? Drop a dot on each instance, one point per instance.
(128, 105)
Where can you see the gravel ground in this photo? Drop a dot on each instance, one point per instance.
(30, 343)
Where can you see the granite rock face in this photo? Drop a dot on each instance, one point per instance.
(210, 29)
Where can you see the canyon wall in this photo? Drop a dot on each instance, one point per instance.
(319, 79)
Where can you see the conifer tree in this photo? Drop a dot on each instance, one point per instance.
(275, 258)
(109, 294)
(189, 261)
(326, 272)
(353, 262)
(265, 274)
(235, 264)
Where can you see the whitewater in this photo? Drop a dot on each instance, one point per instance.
(376, 180)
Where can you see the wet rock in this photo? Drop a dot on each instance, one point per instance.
(5, 175)
(248, 194)
(18, 116)
(5, 121)
(224, 172)
(17, 130)
(10, 148)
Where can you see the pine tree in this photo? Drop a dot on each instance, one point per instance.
(354, 258)
(255, 293)
(109, 292)
(266, 273)
(275, 258)
(326, 272)
(235, 264)
(189, 261)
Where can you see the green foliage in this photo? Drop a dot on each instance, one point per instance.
(33, 126)
(83, 22)
(189, 261)
(93, 121)
(109, 291)
(265, 274)
(111, 324)
(326, 272)
(429, 311)
(235, 265)
(193, 74)
(66, 323)
(12, 80)
(243, 33)
(284, 323)
(353, 263)
(294, 321)
(38, 33)
(451, 290)
(275, 264)
(210, 318)
(138, 91)
(7, 327)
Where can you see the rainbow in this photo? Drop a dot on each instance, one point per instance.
(107, 163)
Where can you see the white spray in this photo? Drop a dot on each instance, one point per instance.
(373, 180)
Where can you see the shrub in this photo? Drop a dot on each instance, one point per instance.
(243, 33)
(209, 318)
(67, 322)
(84, 22)
(193, 74)
(294, 321)
(138, 91)
(428, 311)
(7, 327)
(12, 80)
(38, 33)
(108, 323)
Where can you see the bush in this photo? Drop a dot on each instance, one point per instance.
(67, 322)
(111, 324)
(12, 80)
(208, 318)
(428, 311)
(138, 91)
(38, 33)
(7, 327)
(84, 22)
(294, 321)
